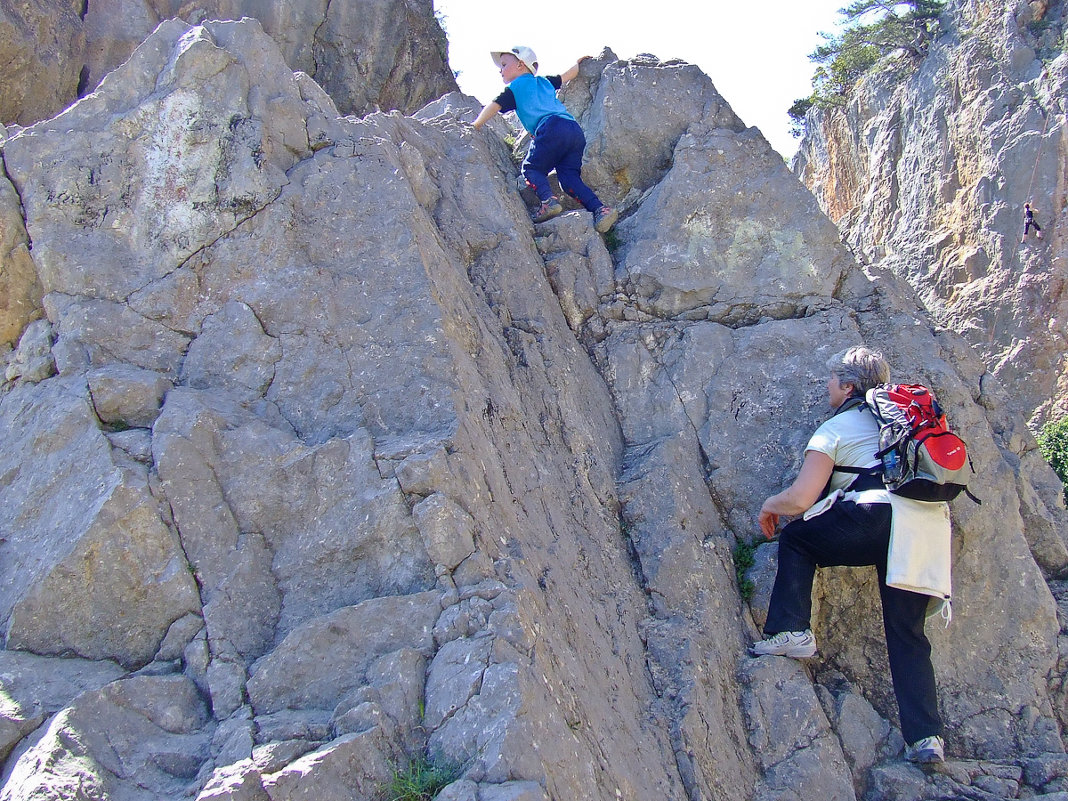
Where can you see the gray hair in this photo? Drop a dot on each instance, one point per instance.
(861, 367)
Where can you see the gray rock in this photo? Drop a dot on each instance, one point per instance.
(388, 54)
(32, 360)
(463, 619)
(269, 553)
(367, 335)
(355, 765)
(448, 530)
(89, 566)
(462, 790)
(866, 737)
(43, 49)
(94, 333)
(632, 119)
(455, 676)
(512, 791)
(20, 291)
(179, 636)
(237, 782)
(127, 396)
(135, 442)
(232, 352)
(329, 656)
(140, 738)
(286, 735)
(234, 739)
(790, 733)
(35, 687)
(710, 242)
(226, 680)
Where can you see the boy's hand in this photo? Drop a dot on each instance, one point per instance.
(487, 114)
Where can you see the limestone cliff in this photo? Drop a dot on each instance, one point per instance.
(927, 169)
(321, 458)
(368, 55)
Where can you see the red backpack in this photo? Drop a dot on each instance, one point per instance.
(921, 458)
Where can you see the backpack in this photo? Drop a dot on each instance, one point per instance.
(921, 458)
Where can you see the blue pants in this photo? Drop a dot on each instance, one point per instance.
(558, 144)
(854, 535)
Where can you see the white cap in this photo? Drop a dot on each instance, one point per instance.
(524, 54)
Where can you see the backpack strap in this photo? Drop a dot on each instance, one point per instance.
(877, 470)
(852, 402)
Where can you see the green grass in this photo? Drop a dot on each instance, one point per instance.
(421, 781)
(1053, 442)
(743, 560)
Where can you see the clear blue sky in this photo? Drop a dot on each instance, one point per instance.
(755, 53)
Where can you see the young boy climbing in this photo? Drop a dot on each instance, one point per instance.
(558, 138)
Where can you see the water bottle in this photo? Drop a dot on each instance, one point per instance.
(891, 465)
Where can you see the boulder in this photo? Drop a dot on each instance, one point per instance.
(321, 662)
(139, 738)
(36, 687)
(420, 504)
(90, 567)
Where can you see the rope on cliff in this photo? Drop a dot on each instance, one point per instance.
(1041, 144)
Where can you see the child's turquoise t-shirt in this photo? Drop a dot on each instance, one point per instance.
(533, 98)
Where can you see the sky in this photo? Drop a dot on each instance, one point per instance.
(755, 53)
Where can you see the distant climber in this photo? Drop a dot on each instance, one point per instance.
(846, 519)
(1029, 221)
(558, 138)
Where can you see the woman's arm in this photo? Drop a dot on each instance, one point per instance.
(487, 114)
(805, 491)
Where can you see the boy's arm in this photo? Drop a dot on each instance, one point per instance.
(573, 72)
(487, 114)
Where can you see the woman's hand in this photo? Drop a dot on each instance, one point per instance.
(805, 491)
(769, 521)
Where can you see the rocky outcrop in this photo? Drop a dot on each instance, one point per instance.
(43, 50)
(324, 459)
(368, 55)
(927, 169)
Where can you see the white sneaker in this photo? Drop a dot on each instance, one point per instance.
(797, 644)
(926, 751)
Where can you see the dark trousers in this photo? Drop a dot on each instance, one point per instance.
(1030, 224)
(558, 144)
(855, 535)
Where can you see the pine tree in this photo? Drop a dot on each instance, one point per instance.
(873, 29)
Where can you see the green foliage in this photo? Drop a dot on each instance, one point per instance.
(1053, 442)
(797, 114)
(872, 29)
(743, 560)
(1040, 26)
(420, 781)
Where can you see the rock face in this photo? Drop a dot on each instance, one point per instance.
(927, 170)
(367, 54)
(43, 50)
(322, 459)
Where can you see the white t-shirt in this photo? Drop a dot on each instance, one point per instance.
(850, 438)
